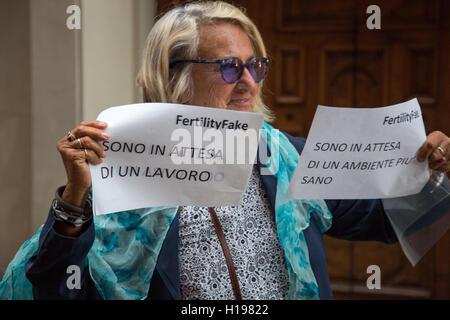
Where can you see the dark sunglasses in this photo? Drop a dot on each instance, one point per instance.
(232, 68)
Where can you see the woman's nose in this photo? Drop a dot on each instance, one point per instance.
(247, 78)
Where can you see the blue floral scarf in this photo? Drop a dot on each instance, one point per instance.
(127, 244)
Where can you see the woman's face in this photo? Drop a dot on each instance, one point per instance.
(218, 41)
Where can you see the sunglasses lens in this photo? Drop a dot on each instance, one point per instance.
(231, 70)
(258, 68)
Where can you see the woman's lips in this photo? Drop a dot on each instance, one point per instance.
(243, 101)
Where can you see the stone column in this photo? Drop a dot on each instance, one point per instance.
(51, 79)
(15, 128)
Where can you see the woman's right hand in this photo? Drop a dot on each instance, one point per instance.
(76, 154)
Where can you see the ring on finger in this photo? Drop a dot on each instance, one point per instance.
(80, 143)
(70, 136)
(441, 151)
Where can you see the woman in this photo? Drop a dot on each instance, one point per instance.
(208, 54)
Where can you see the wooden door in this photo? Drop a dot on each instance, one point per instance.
(323, 53)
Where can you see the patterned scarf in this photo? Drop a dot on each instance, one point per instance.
(293, 216)
(127, 244)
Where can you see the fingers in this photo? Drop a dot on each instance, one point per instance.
(88, 143)
(75, 155)
(437, 150)
(94, 132)
(433, 141)
(91, 156)
(95, 123)
(85, 145)
(439, 159)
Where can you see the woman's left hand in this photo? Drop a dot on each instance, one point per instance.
(437, 150)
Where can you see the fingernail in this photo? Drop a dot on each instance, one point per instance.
(103, 123)
(105, 135)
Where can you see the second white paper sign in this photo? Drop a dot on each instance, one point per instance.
(362, 153)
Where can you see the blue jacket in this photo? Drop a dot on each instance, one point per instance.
(363, 220)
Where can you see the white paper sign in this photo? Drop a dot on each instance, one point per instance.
(362, 153)
(163, 154)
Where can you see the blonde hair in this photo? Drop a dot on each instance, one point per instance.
(175, 37)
